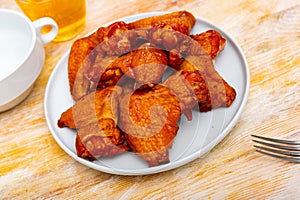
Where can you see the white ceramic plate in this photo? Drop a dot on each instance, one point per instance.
(194, 138)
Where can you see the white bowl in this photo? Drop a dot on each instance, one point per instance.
(21, 55)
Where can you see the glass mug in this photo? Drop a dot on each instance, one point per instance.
(70, 15)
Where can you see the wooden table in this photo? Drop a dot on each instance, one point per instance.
(34, 166)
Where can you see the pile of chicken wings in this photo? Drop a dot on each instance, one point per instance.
(131, 82)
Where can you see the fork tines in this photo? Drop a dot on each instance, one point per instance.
(283, 149)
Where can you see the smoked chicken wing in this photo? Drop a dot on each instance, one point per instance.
(148, 65)
(95, 118)
(78, 64)
(179, 45)
(212, 42)
(220, 93)
(85, 50)
(126, 99)
(106, 71)
(149, 119)
(181, 21)
(190, 88)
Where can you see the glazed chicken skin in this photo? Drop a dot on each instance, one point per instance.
(149, 119)
(114, 40)
(220, 93)
(106, 71)
(89, 68)
(77, 65)
(189, 83)
(193, 57)
(95, 119)
(148, 65)
(198, 85)
(181, 21)
(180, 46)
(84, 51)
(127, 100)
(190, 88)
(212, 42)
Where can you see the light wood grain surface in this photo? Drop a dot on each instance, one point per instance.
(33, 166)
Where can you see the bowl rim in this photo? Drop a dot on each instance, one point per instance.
(32, 44)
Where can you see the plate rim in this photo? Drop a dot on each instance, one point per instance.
(177, 163)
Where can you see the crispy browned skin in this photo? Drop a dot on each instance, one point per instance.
(184, 93)
(81, 56)
(193, 58)
(115, 40)
(196, 78)
(190, 88)
(220, 93)
(212, 41)
(209, 42)
(78, 59)
(179, 45)
(181, 21)
(149, 119)
(174, 59)
(141, 50)
(148, 65)
(95, 117)
(106, 71)
(91, 144)
(91, 108)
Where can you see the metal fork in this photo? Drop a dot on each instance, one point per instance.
(283, 149)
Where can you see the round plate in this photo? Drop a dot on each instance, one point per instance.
(194, 138)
